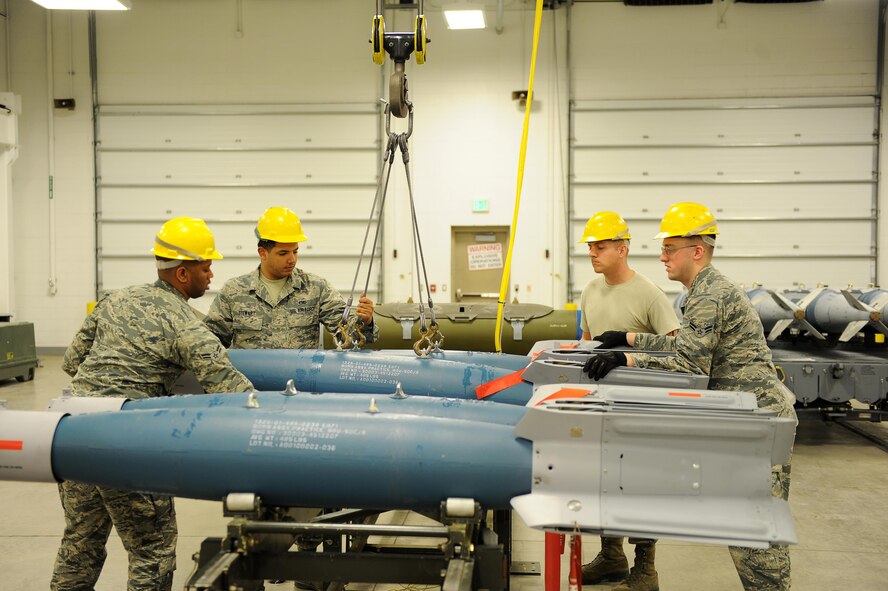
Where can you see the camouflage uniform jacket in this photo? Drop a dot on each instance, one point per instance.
(721, 336)
(244, 317)
(139, 340)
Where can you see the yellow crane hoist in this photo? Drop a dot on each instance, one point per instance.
(399, 46)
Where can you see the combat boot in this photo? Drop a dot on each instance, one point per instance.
(609, 566)
(643, 576)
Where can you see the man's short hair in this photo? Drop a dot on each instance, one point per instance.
(165, 264)
(267, 244)
(708, 241)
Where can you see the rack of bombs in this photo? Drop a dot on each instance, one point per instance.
(829, 345)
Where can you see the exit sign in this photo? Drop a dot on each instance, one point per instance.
(480, 206)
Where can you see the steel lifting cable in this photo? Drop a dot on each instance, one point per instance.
(347, 335)
(504, 285)
(430, 334)
(388, 156)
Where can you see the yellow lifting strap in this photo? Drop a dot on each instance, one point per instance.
(504, 285)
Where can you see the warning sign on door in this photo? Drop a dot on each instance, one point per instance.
(485, 256)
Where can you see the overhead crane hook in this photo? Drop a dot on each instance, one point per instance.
(399, 46)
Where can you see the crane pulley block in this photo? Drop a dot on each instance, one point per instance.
(399, 46)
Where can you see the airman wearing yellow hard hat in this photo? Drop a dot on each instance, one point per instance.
(688, 219)
(280, 224)
(607, 235)
(185, 239)
(688, 231)
(721, 336)
(184, 250)
(136, 342)
(618, 301)
(605, 225)
(278, 305)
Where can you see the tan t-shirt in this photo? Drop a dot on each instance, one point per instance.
(274, 286)
(634, 306)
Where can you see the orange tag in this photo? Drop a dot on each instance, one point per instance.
(686, 394)
(10, 445)
(498, 385)
(566, 393)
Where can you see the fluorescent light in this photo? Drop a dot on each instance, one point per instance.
(464, 19)
(85, 4)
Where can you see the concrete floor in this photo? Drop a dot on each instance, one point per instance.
(838, 493)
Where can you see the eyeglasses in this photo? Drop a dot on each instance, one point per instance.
(671, 250)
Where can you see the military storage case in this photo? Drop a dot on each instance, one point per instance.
(18, 355)
(470, 327)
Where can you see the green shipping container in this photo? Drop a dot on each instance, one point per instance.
(470, 326)
(18, 354)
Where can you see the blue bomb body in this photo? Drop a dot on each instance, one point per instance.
(407, 453)
(374, 373)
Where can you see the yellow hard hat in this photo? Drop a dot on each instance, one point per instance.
(280, 224)
(185, 239)
(605, 225)
(687, 219)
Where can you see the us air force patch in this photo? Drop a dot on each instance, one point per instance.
(213, 355)
(700, 331)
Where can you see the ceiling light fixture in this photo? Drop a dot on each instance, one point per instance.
(85, 4)
(465, 19)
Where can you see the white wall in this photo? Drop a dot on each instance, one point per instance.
(8, 147)
(467, 127)
(468, 133)
(56, 316)
(4, 25)
(810, 49)
(685, 56)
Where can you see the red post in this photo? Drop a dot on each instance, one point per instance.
(554, 544)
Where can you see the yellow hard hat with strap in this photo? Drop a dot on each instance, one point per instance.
(605, 225)
(280, 224)
(185, 239)
(687, 219)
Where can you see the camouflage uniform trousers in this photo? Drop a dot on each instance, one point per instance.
(767, 569)
(146, 525)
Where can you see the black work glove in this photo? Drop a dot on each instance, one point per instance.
(600, 365)
(610, 339)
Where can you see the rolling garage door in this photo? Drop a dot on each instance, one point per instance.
(227, 165)
(791, 182)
